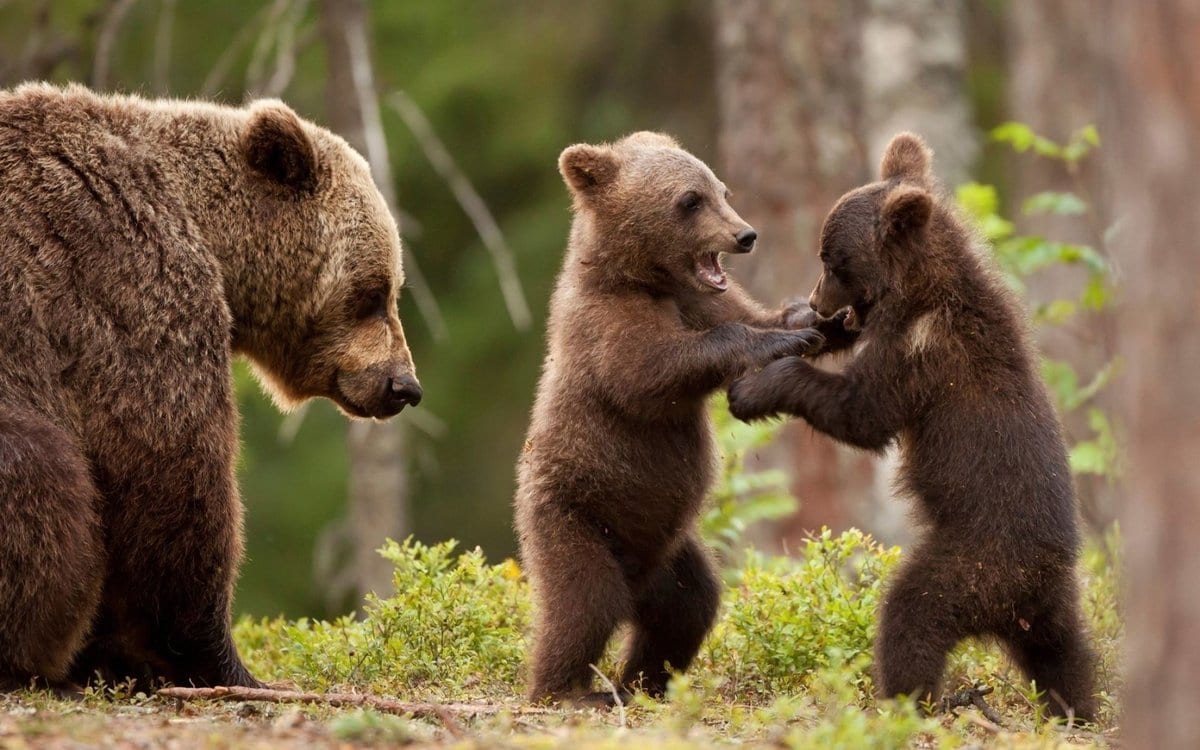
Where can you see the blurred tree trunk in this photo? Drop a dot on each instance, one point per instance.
(378, 485)
(809, 93)
(1153, 123)
(1056, 68)
(914, 58)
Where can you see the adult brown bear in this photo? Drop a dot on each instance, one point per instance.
(143, 244)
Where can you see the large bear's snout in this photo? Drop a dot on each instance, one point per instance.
(401, 391)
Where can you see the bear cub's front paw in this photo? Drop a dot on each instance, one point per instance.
(799, 343)
(749, 399)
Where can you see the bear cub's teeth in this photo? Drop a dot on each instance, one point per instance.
(709, 271)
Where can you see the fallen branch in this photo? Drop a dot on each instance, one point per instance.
(439, 711)
(972, 697)
(616, 695)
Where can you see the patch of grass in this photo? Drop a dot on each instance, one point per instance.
(788, 665)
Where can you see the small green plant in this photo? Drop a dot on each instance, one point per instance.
(454, 623)
(784, 619)
(1022, 256)
(743, 496)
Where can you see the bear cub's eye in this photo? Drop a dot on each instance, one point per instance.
(690, 201)
(372, 304)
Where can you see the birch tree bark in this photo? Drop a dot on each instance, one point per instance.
(1153, 123)
(378, 484)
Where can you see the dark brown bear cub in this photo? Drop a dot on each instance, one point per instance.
(644, 325)
(944, 368)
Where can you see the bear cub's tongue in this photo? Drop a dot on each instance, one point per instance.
(709, 271)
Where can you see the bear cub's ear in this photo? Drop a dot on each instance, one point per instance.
(908, 158)
(277, 147)
(588, 168)
(906, 211)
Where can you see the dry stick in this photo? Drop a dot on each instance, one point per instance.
(613, 689)
(472, 204)
(162, 47)
(110, 27)
(973, 697)
(381, 169)
(337, 700)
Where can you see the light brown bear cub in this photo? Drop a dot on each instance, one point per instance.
(644, 325)
(143, 244)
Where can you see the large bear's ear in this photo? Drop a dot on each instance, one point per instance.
(588, 169)
(906, 211)
(277, 147)
(907, 157)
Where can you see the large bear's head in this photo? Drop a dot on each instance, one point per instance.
(876, 233)
(661, 216)
(319, 317)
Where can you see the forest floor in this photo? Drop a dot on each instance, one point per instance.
(788, 665)
(38, 720)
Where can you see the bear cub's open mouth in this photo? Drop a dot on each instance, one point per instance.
(709, 271)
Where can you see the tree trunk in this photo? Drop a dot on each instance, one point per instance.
(1153, 153)
(1056, 68)
(378, 484)
(809, 94)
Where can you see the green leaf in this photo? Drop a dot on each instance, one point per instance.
(978, 199)
(1088, 457)
(1019, 135)
(1050, 202)
(1057, 312)
(1097, 293)
(1061, 379)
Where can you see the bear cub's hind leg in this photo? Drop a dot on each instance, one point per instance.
(671, 617)
(582, 596)
(918, 626)
(1055, 654)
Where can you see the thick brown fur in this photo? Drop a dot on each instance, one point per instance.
(143, 244)
(944, 367)
(619, 452)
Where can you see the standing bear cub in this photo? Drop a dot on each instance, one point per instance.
(944, 367)
(144, 244)
(644, 325)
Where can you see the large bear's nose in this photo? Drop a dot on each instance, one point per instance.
(746, 238)
(403, 391)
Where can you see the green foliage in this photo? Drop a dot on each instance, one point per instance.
(787, 664)
(787, 618)
(742, 496)
(1022, 138)
(454, 622)
(1021, 256)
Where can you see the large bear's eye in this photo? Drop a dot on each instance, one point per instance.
(690, 201)
(373, 303)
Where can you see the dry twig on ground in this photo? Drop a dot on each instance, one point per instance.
(439, 711)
